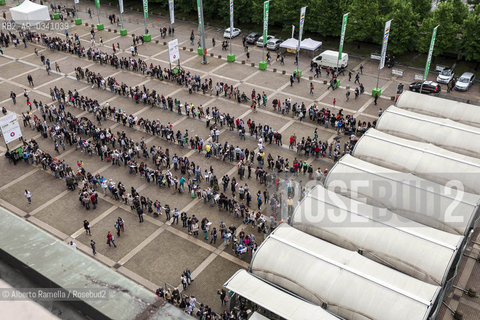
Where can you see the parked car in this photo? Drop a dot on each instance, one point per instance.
(235, 33)
(274, 44)
(259, 42)
(428, 87)
(465, 81)
(253, 37)
(445, 76)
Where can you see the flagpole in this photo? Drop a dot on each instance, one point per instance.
(429, 58)
(342, 37)
(381, 63)
(266, 8)
(300, 31)
(202, 30)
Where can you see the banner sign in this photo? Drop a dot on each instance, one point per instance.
(76, 1)
(231, 18)
(265, 21)
(293, 30)
(430, 51)
(171, 5)
(10, 128)
(302, 22)
(342, 37)
(120, 3)
(145, 8)
(386, 33)
(97, 4)
(173, 52)
(199, 14)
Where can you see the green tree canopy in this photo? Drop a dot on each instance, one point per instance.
(449, 15)
(471, 36)
(404, 28)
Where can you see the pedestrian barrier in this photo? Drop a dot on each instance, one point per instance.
(375, 56)
(243, 61)
(397, 72)
(419, 77)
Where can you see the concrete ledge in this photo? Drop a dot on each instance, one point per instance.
(51, 263)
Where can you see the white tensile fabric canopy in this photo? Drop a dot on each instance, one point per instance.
(381, 235)
(417, 199)
(440, 107)
(291, 44)
(310, 44)
(422, 159)
(274, 299)
(306, 44)
(445, 133)
(351, 286)
(30, 12)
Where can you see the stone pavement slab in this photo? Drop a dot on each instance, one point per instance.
(40, 194)
(161, 262)
(67, 214)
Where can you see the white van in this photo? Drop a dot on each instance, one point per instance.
(328, 58)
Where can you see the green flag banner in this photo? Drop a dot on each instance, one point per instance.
(97, 4)
(430, 52)
(199, 14)
(342, 37)
(265, 21)
(145, 8)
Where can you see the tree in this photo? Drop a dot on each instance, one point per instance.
(404, 28)
(324, 17)
(471, 34)
(365, 22)
(449, 15)
(422, 7)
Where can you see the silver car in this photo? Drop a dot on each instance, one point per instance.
(274, 44)
(465, 81)
(445, 76)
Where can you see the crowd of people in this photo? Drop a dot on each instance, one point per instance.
(157, 165)
(342, 123)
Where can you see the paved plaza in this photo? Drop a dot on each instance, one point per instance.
(156, 252)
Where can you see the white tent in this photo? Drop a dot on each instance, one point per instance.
(306, 44)
(420, 200)
(381, 235)
(290, 44)
(445, 133)
(29, 13)
(274, 299)
(350, 285)
(422, 159)
(440, 107)
(310, 44)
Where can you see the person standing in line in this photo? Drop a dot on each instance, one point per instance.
(110, 239)
(213, 236)
(86, 225)
(92, 244)
(140, 214)
(176, 213)
(28, 195)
